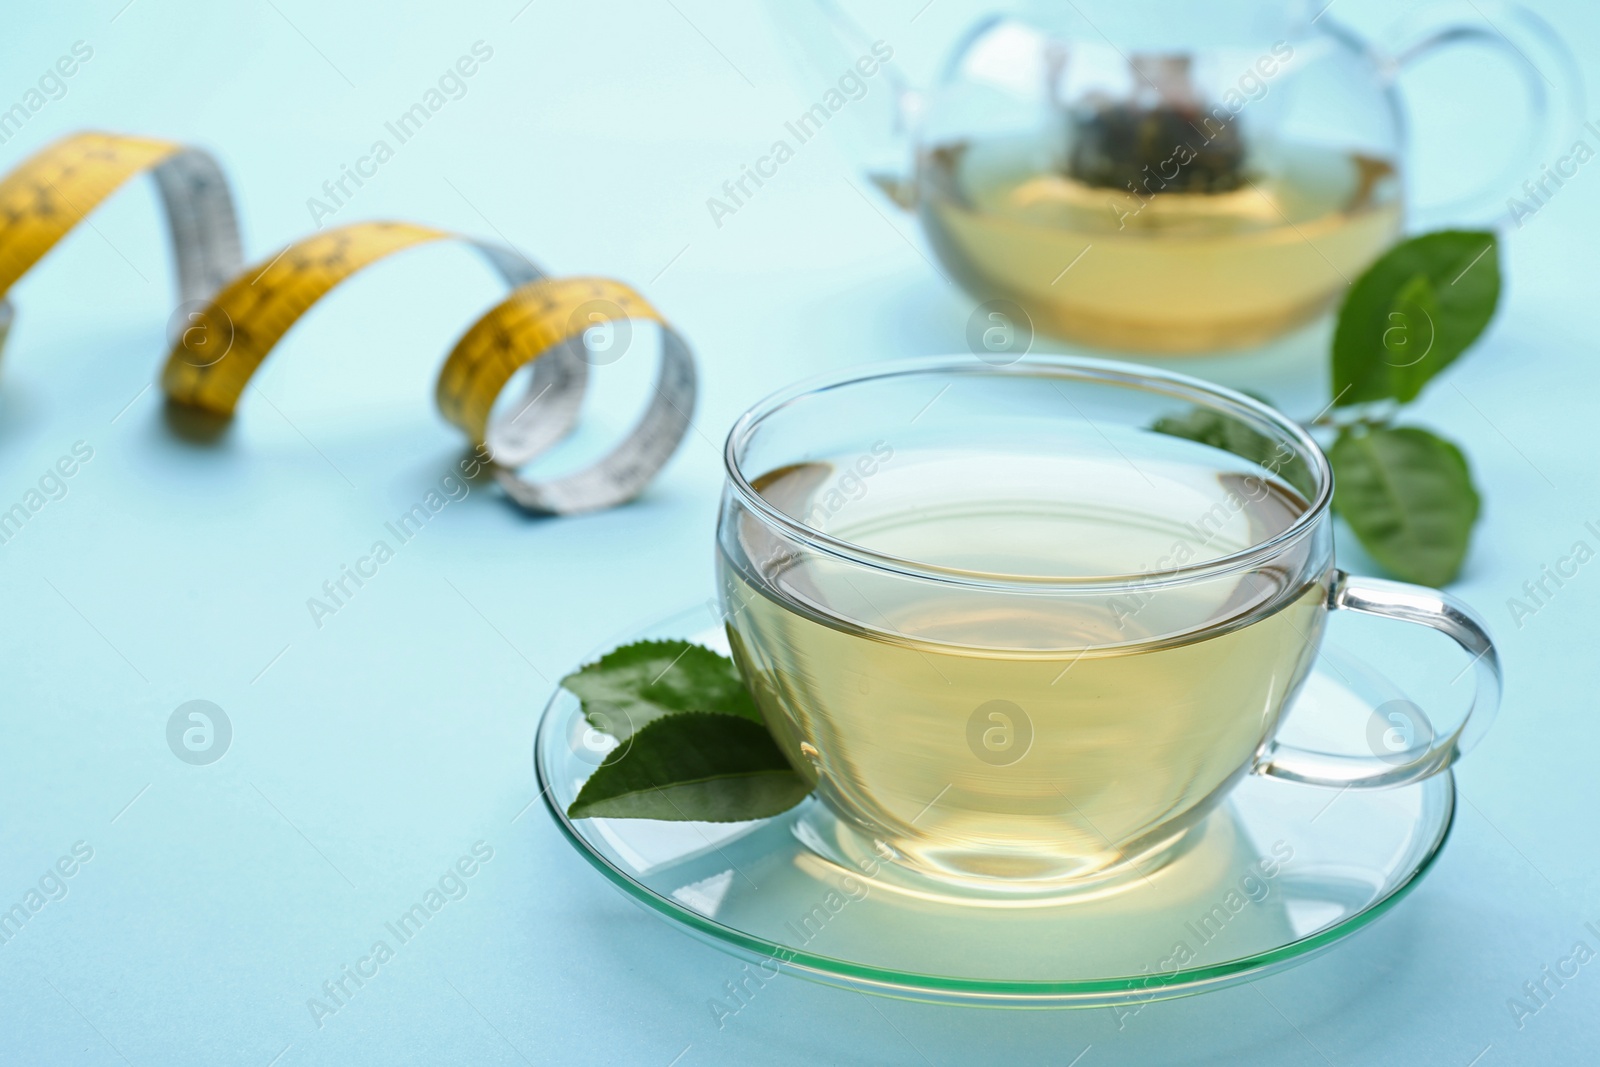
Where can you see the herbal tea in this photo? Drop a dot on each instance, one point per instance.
(1170, 266)
(1020, 736)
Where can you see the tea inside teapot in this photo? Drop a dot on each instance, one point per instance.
(1151, 221)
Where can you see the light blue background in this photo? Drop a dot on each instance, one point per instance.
(379, 748)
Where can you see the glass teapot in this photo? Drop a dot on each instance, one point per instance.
(1160, 177)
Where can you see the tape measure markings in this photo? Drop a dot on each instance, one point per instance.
(56, 187)
(230, 320)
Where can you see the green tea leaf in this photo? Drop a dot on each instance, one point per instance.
(1216, 429)
(1408, 496)
(1219, 430)
(693, 766)
(630, 687)
(1412, 313)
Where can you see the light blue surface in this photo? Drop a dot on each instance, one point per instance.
(378, 749)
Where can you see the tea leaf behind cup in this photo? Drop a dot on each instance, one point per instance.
(1408, 495)
(1230, 434)
(1412, 313)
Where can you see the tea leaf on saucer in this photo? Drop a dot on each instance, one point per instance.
(1408, 495)
(693, 766)
(1412, 313)
(630, 687)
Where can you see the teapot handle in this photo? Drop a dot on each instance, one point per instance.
(876, 128)
(1554, 84)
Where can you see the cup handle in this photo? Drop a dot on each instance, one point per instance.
(1556, 106)
(1424, 755)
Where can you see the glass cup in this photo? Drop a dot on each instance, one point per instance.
(1022, 635)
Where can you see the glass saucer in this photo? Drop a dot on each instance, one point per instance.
(1276, 875)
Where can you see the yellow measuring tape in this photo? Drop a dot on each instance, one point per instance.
(231, 318)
